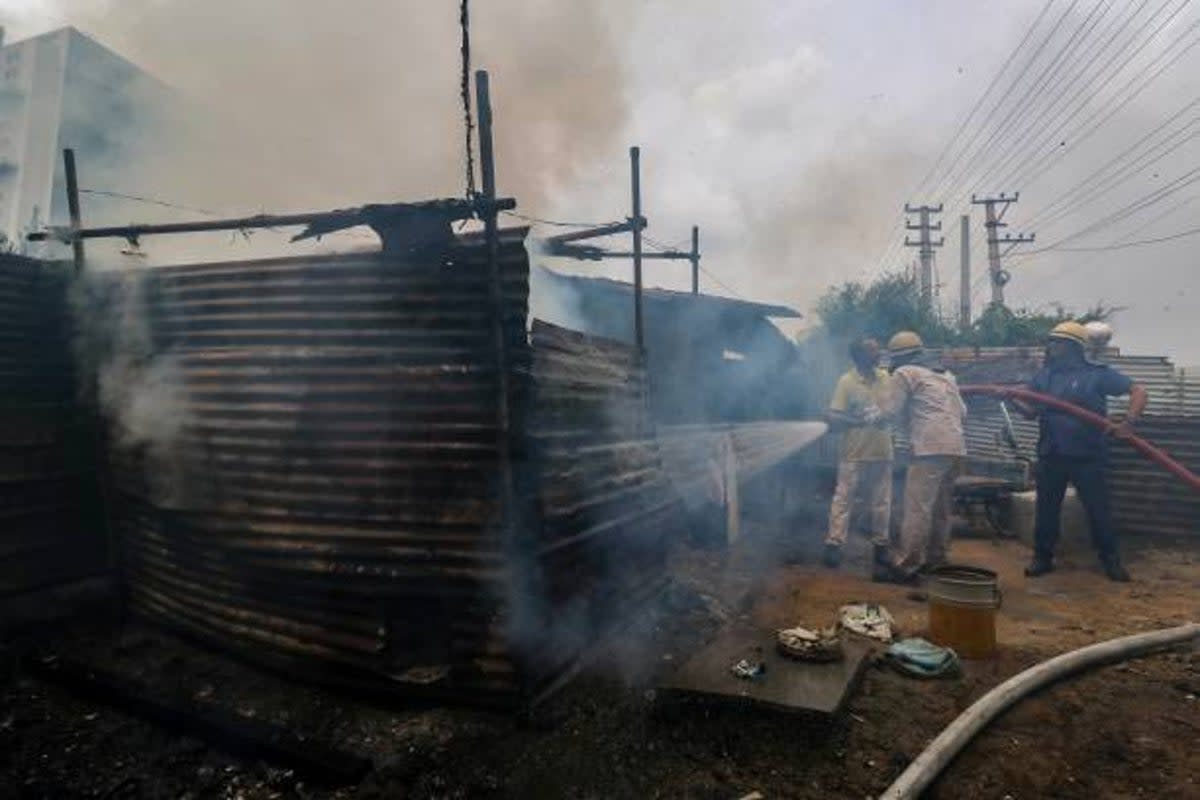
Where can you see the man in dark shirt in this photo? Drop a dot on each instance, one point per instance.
(1072, 451)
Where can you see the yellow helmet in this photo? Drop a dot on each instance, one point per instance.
(1070, 331)
(905, 343)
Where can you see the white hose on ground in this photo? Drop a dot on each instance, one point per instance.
(942, 750)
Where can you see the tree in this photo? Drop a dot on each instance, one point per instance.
(888, 304)
(892, 303)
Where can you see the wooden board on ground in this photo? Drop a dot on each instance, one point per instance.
(789, 685)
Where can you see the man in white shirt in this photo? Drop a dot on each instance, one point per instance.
(927, 405)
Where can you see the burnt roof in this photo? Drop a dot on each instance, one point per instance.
(710, 302)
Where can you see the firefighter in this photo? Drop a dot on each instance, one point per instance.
(865, 468)
(926, 404)
(1071, 451)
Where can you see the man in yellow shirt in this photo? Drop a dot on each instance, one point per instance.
(865, 469)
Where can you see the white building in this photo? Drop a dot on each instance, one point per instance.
(63, 89)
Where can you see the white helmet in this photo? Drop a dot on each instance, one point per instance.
(1099, 333)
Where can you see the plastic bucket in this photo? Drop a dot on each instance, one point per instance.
(962, 609)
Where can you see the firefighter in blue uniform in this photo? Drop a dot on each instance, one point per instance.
(1071, 451)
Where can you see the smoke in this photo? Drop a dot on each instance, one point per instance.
(288, 105)
(138, 389)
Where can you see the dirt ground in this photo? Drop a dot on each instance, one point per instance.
(1124, 731)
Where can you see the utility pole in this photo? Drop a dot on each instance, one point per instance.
(994, 222)
(695, 259)
(964, 278)
(926, 245)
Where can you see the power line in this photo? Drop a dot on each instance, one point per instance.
(1082, 132)
(1099, 78)
(560, 223)
(1037, 166)
(1135, 243)
(1077, 188)
(1122, 176)
(1158, 218)
(1138, 205)
(947, 180)
(893, 242)
(979, 103)
(1020, 108)
(1066, 85)
(722, 284)
(147, 200)
(1102, 76)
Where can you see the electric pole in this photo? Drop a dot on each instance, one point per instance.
(964, 278)
(926, 245)
(994, 222)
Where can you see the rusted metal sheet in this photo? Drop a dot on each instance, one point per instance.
(329, 499)
(50, 528)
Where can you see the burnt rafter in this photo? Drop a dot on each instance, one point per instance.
(402, 227)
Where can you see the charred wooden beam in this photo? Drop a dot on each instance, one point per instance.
(402, 227)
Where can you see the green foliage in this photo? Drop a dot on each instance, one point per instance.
(891, 303)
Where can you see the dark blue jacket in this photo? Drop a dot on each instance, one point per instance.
(1087, 385)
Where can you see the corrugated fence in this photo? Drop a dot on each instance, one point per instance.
(329, 502)
(51, 529)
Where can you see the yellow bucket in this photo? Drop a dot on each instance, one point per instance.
(962, 609)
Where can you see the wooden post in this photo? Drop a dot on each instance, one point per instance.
(635, 157)
(487, 166)
(695, 259)
(73, 207)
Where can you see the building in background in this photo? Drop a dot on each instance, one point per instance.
(63, 89)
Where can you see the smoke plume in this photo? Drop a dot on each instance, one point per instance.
(302, 104)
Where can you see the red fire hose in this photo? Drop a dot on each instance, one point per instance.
(1141, 445)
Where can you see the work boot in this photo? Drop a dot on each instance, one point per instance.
(1039, 567)
(1114, 571)
(885, 573)
(832, 557)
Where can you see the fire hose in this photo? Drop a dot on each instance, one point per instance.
(925, 769)
(1144, 447)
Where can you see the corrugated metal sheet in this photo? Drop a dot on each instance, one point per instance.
(606, 510)
(332, 504)
(50, 527)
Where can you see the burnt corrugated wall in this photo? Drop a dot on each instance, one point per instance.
(605, 507)
(330, 501)
(51, 528)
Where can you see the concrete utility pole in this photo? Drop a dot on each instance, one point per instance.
(964, 278)
(926, 245)
(695, 259)
(994, 223)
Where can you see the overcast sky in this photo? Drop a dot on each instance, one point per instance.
(791, 132)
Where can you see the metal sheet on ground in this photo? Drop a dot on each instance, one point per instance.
(788, 686)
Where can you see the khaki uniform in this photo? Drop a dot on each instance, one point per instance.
(865, 469)
(933, 413)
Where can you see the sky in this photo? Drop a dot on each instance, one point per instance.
(792, 133)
